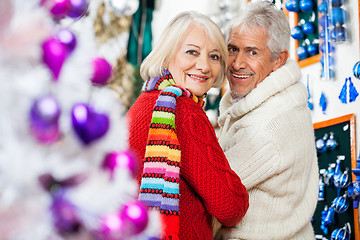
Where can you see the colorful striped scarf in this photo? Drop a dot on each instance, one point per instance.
(159, 188)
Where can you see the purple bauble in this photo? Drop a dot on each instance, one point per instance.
(102, 71)
(58, 8)
(135, 218)
(67, 38)
(54, 55)
(77, 8)
(125, 160)
(44, 119)
(88, 124)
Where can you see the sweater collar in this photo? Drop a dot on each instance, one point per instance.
(277, 81)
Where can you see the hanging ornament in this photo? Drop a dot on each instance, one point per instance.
(330, 47)
(301, 52)
(321, 144)
(356, 70)
(77, 8)
(323, 32)
(44, 119)
(330, 217)
(310, 101)
(54, 55)
(323, 7)
(338, 16)
(343, 92)
(292, 5)
(306, 5)
(124, 160)
(66, 37)
(135, 218)
(88, 124)
(331, 143)
(124, 7)
(308, 28)
(102, 71)
(329, 175)
(339, 34)
(323, 103)
(343, 233)
(312, 49)
(353, 93)
(297, 33)
(57, 8)
(323, 216)
(340, 204)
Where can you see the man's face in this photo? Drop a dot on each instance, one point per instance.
(249, 60)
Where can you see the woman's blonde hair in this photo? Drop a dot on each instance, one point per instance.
(172, 36)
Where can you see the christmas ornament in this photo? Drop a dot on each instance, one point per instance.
(301, 52)
(88, 124)
(323, 216)
(54, 55)
(67, 38)
(312, 49)
(336, 3)
(77, 8)
(324, 21)
(125, 160)
(331, 143)
(308, 28)
(297, 33)
(353, 93)
(356, 70)
(330, 61)
(339, 34)
(44, 119)
(321, 195)
(124, 7)
(102, 71)
(323, 103)
(306, 5)
(323, 32)
(292, 5)
(135, 218)
(329, 175)
(330, 74)
(354, 187)
(330, 47)
(321, 144)
(340, 204)
(323, 7)
(57, 8)
(338, 16)
(330, 217)
(342, 233)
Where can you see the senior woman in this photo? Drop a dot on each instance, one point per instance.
(184, 173)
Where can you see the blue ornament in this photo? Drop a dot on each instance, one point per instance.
(340, 204)
(312, 49)
(330, 63)
(354, 193)
(323, 102)
(323, 216)
(308, 28)
(329, 218)
(338, 16)
(320, 144)
(297, 33)
(339, 34)
(341, 233)
(321, 195)
(352, 91)
(343, 92)
(324, 21)
(306, 5)
(301, 52)
(331, 73)
(292, 5)
(309, 102)
(356, 70)
(331, 143)
(336, 3)
(323, 7)
(331, 47)
(323, 32)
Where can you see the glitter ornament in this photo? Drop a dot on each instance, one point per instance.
(88, 124)
(353, 93)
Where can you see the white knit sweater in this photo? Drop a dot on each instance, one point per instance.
(268, 138)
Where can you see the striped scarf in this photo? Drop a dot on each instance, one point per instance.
(159, 188)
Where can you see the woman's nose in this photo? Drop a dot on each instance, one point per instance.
(203, 64)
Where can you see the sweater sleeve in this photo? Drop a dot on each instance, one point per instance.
(205, 167)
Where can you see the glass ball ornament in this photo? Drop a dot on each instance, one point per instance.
(301, 52)
(135, 218)
(331, 61)
(323, 32)
(88, 124)
(77, 8)
(123, 160)
(44, 119)
(340, 204)
(339, 34)
(330, 47)
(343, 180)
(320, 145)
(308, 28)
(102, 71)
(331, 73)
(338, 16)
(306, 5)
(57, 8)
(111, 228)
(124, 7)
(341, 233)
(356, 70)
(66, 37)
(323, 7)
(297, 33)
(292, 5)
(331, 143)
(336, 3)
(312, 49)
(324, 21)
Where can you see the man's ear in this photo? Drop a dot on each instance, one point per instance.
(280, 61)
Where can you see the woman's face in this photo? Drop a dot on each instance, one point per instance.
(196, 62)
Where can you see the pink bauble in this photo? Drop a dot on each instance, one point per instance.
(135, 218)
(125, 160)
(54, 55)
(57, 8)
(102, 71)
(112, 228)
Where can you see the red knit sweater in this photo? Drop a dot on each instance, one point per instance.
(208, 187)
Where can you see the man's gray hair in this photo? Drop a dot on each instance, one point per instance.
(267, 16)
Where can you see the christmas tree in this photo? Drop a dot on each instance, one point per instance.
(65, 168)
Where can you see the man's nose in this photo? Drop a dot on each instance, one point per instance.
(238, 62)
